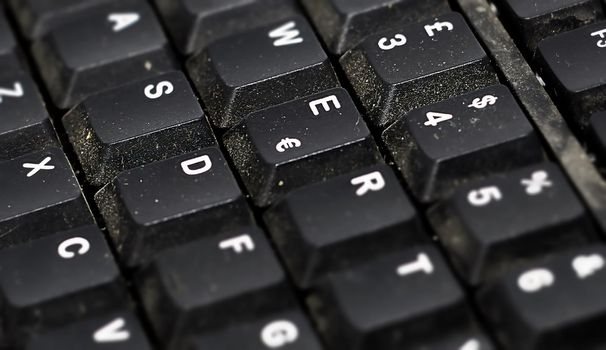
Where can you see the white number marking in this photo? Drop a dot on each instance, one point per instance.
(435, 118)
(398, 40)
(279, 333)
(534, 280)
(16, 91)
(438, 27)
(484, 196)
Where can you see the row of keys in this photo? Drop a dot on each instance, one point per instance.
(53, 286)
(108, 43)
(533, 21)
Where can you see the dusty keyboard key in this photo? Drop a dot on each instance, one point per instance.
(8, 45)
(167, 203)
(441, 146)
(135, 124)
(211, 283)
(555, 303)
(40, 195)
(38, 17)
(25, 126)
(344, 23)
(343, 222)
(534, 20)
(118, 330)
(194, 24)
(300, 142)
(394, 302)
(58, 279)
(447, 58)
(573, 64)
(246, 72)
(282, 330)
(482, 227)
(102, 50)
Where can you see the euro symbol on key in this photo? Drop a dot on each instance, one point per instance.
(287, 143)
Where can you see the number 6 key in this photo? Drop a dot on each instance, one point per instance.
(440, 146)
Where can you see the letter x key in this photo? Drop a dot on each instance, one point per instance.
(36, 167)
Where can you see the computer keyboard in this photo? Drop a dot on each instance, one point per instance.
(302, 174)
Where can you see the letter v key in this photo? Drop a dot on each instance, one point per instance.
(112, 332)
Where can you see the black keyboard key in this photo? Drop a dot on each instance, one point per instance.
(395, 302)
(195, 24)
(573, 65)
(531, 21)
(343, 222)
(38, 17)
(246, 72)
(8, 45)
(300, 142)
(447, 58)
(119, 330)
(40, 195)
(171, 202)
(440, 146)
(344, 23)
(210, 283)
(555, 304)
(596, 136)
(57, 280)
(283, 330)
(26, 126)
(114, 46)
(135, 124)
(482, 228)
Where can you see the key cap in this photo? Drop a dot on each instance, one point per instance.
(40, 195)
(554, 304)
(394, 302)
(243, 73)
(344, 23)
(195, 24)
(227, 278)
(135, 124)
(447, 59)
(26, 126)
(283, 330)
(171, 202)
(573, 64)
(119, 330)
(596, 137)
(38, 17)
(441, 146)
(56, 280)
(343, 222)
(8, 45)
(122, 43)
(300, 142)
(483, 230)
(532, 21)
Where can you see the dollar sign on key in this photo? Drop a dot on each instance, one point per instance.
(480, 103)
